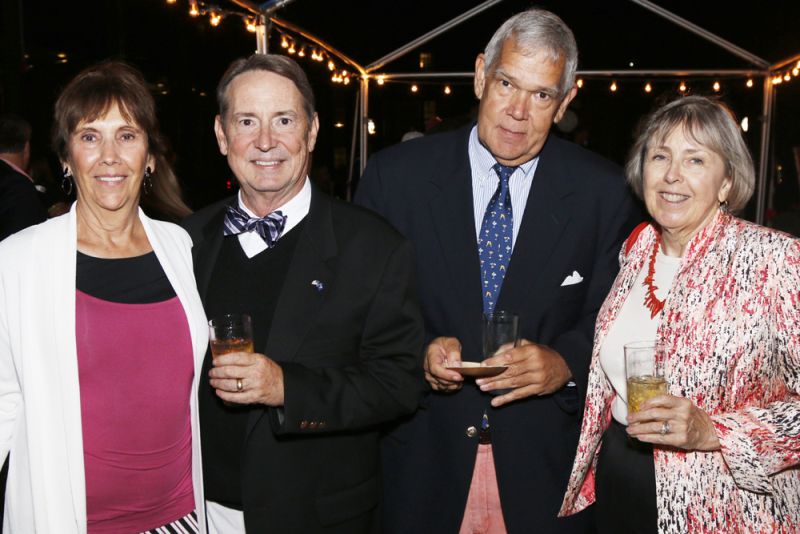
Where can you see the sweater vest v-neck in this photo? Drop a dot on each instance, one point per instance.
(251, 286)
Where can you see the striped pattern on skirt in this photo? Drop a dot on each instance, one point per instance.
(185, 525)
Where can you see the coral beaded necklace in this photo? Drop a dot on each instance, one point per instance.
(651, 301)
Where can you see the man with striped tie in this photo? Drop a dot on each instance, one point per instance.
(290, 432)
(502, 216)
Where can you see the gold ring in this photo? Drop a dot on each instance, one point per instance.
(239, 385)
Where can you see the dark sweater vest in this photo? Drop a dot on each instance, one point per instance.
(238, 285)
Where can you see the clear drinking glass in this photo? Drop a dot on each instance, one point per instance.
(499, 328)
(232, 332)
(644, 374)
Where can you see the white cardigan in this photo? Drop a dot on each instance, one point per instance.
(40, 409)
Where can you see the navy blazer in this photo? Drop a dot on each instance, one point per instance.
(350, 350)
(579, 210)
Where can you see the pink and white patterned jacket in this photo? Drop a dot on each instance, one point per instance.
(730, 334)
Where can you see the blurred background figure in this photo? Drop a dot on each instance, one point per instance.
(102, 332)
(20, 205)
(719, 295)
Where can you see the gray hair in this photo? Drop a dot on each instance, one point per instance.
(537, 30)
(710, 124)
(277, 64)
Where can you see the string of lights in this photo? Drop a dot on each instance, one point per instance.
(294, 44)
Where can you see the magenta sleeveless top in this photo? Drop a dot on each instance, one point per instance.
(136, 367)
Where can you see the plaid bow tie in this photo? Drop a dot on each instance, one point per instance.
(269, 227)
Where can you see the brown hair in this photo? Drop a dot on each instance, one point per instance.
(277, 64)
(709, 123)
(90, 95)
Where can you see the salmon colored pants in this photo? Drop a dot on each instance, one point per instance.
(483, 514)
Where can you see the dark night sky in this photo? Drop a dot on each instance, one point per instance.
(187, 56)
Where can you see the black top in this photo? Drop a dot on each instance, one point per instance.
(238, 285)
(136, 280)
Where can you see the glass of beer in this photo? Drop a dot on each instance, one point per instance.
(232, 332)
(644, 374)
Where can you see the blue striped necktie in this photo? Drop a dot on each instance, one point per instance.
(496, 238)
(270, 228)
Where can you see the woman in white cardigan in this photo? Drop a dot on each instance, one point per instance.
(102, 334)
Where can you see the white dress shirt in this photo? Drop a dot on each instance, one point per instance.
(485, 180)
(295, 210)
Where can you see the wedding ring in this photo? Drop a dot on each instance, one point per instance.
(240, 386)
(665, 428)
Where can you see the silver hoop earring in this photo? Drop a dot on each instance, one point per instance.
(66, 182)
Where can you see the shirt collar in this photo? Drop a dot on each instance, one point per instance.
(295, 209)
(482, 161)
(10, 164)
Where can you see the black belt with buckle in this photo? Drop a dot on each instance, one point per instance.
(485, 436)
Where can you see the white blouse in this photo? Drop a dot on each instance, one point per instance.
(634, 324)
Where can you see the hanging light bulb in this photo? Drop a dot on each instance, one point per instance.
(371, 127)
(787, 77)
(716, 87)
(171, 1)
(331, 65)
(749, 82)
(302, 52)
(648, 87)
(414, 88)
(579, 83)
(215, 19)
(250, 24)
(193, 11)
(682, 87)
(291, 49)
(447, 90)
(381, 79)
(284, 42)
(613, 87)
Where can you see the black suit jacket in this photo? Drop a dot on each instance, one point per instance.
(577, 214)
(351, 360)
(20, 206)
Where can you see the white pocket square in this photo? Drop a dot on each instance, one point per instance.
(571, 280)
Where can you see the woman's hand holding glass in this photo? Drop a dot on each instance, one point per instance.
(687, 426)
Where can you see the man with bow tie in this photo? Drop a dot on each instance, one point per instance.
(290, 432)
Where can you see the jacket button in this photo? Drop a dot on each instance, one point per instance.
(312, 425)
(472, 432)
(303, 425)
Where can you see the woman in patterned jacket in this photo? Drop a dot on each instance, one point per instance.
(721, 298)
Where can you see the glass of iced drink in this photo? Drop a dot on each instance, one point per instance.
(644, 374)
(232, 332)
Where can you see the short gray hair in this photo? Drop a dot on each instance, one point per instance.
(274, 63)
(709, 123)
(537, 30)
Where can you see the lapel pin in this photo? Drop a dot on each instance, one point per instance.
(317, 284)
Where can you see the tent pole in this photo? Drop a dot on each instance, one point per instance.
(702, 32)
(364, 115)
(349, 185)
(403, 50)
(763, 163)
(262, 35)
